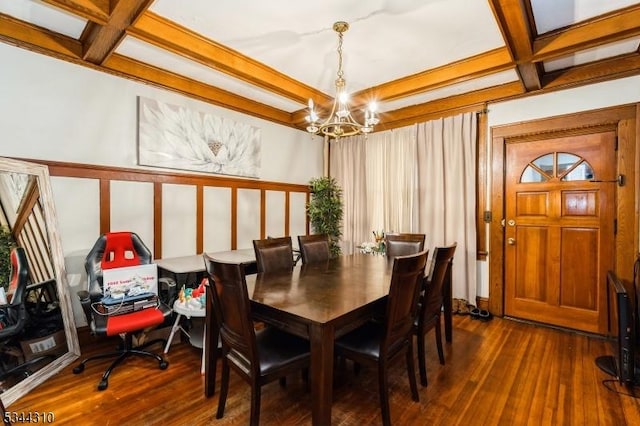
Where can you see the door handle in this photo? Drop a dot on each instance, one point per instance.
(511, 241)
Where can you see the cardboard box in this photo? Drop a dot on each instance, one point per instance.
(51, 344)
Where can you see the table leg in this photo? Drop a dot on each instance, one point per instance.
(321, 339)
(176, 326)
(447, 303)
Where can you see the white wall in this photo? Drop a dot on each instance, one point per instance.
(55, 110)
(595, 96)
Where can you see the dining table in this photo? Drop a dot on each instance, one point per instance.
(318, 302)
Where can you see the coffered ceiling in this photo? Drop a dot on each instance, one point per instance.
(419, 59)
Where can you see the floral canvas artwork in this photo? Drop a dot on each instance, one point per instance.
(178, 138)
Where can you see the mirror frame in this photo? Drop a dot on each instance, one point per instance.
(41, 173)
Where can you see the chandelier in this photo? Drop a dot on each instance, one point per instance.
(340, 122)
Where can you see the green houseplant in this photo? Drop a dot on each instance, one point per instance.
(6, 244)
(325, 210)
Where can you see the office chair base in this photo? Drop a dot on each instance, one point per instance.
(121, 355)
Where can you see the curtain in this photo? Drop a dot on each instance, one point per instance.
(420, 179)
(447, 193)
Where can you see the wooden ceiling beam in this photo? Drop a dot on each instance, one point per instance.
(29, 36)
(170, 36)
(512, 17)
(476, 66)
(99, 41)
(609, 28)
(132, 69)
(97, 11)
(447, 106)
(594, 72)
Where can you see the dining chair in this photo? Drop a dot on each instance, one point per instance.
(378, 343)
(314, 248)
(430, 305)
(273, 254)
(258, 357)
(403, 244)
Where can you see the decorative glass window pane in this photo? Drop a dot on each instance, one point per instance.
(531, 175)
(545, 163)
(582, 172)
(561, 166)
(566, 161)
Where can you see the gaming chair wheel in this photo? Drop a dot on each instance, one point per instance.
(164, 365)
(102, 385)
(79, 369)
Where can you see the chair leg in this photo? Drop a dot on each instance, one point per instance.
(422, 359)
(255, 404)
(411, 371)
(439, 342)
(383, 388)
(224, 387)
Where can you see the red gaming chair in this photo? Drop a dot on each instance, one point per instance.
(116, 250)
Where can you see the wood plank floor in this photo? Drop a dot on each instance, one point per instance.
(501, 372)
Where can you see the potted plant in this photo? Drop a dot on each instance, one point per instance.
(6, 244)
(325, 210)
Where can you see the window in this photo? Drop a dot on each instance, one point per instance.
(561, 166)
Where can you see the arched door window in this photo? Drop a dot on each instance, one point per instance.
(561, 166)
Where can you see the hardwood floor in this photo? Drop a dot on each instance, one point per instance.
(501, 372)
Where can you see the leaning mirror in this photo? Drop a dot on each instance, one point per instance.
(46, 341)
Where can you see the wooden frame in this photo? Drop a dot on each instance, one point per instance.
(41, 174)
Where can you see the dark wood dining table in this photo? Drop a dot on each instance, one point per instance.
(319, 302)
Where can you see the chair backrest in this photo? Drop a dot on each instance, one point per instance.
(19, 276)
(114, 250)
(232, 308)
(314, 248)
(402, 302)
(273, 254)
(440, 271)
(403, 244)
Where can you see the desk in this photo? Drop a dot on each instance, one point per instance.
(318, 302)
(184, 266)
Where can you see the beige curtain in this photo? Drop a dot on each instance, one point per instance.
(404, 180)
(447, 194)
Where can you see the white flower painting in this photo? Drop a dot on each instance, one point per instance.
(178, 138)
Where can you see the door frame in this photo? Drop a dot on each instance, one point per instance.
(626, 121)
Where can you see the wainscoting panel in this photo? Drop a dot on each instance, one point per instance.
(178, 219)
(249, 217)
(188, 213)
(77, 203)
(275, 213)
(297, 214)
(132, 208)
(216, 219)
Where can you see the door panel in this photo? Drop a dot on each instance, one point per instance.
(559, 238)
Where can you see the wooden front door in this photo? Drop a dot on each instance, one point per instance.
(559, 229)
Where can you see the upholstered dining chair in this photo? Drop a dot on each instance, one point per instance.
(378, 343)
(314, 248)
(115, 250)
(258, 357)
(430, 305)
(273, 254)
(403, 244)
